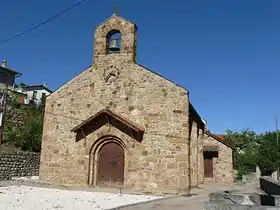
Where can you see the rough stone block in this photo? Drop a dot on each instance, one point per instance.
(18, 164)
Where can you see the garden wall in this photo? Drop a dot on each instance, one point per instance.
(18, 164)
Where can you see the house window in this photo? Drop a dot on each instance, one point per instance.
(34, 96)
(43, 97)
(3, 77)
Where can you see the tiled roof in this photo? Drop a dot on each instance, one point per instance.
(108, 116)
(220, 138)
(36, 87)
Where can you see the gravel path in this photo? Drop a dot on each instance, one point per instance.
(27, 197)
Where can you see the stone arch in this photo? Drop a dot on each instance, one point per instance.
(94, 153)
(114, 37)
(128, 43)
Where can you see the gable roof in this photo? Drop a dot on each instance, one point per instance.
(36, 87)
(194, 115)
(221, 136)
(216, 137)
(9, 70)
(141, 65)
(192, 110)
(158, 74)
(107, 116)
(114, 16)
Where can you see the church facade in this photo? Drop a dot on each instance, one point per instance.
(119, 124)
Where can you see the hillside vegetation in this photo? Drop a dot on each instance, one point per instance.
(23, 127)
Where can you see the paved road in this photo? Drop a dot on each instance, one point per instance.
(194, 202)
(171, 203)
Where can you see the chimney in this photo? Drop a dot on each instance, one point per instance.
(4, 64)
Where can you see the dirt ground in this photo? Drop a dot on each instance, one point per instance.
(193, 202)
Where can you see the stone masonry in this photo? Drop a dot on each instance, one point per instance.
(223, 164)
(167, 159)
(18, 164)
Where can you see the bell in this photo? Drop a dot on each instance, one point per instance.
(114, 45)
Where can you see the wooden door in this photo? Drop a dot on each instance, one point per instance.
(111, 165)
(208, 167)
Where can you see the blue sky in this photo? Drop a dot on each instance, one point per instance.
(225, 52)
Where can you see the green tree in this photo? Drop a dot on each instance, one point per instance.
(253, 150)
(243, 140)
(246, 144)
(268, 153)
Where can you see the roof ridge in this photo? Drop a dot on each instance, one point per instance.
(223, 141)
(111, 17)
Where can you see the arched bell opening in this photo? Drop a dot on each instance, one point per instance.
(113, 42)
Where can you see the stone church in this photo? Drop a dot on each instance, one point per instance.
(119, 124)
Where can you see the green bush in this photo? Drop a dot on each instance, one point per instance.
(28, 136)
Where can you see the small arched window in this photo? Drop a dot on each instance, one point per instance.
(113, 41)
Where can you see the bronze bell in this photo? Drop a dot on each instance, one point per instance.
(113, 46)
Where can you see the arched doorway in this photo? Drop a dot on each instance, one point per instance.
(110, 165)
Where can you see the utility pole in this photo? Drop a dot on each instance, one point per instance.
(277, 142)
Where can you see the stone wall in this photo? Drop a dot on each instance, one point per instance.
(223, 164)
(241, 201)
(196, 153)
(268, 185)
(223, 206)
(200, 157)
(15, 117)
(18, 164)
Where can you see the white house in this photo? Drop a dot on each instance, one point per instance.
(34, 93)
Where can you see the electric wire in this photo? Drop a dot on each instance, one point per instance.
(43, 22)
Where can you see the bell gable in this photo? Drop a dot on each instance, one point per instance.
(116, 37)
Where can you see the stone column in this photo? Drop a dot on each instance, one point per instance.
(194, 163)
(200, 157)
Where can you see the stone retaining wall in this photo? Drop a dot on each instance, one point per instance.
(223, 206)
(15, 117)
(241, 201)
(19, 164)
(269, 186)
